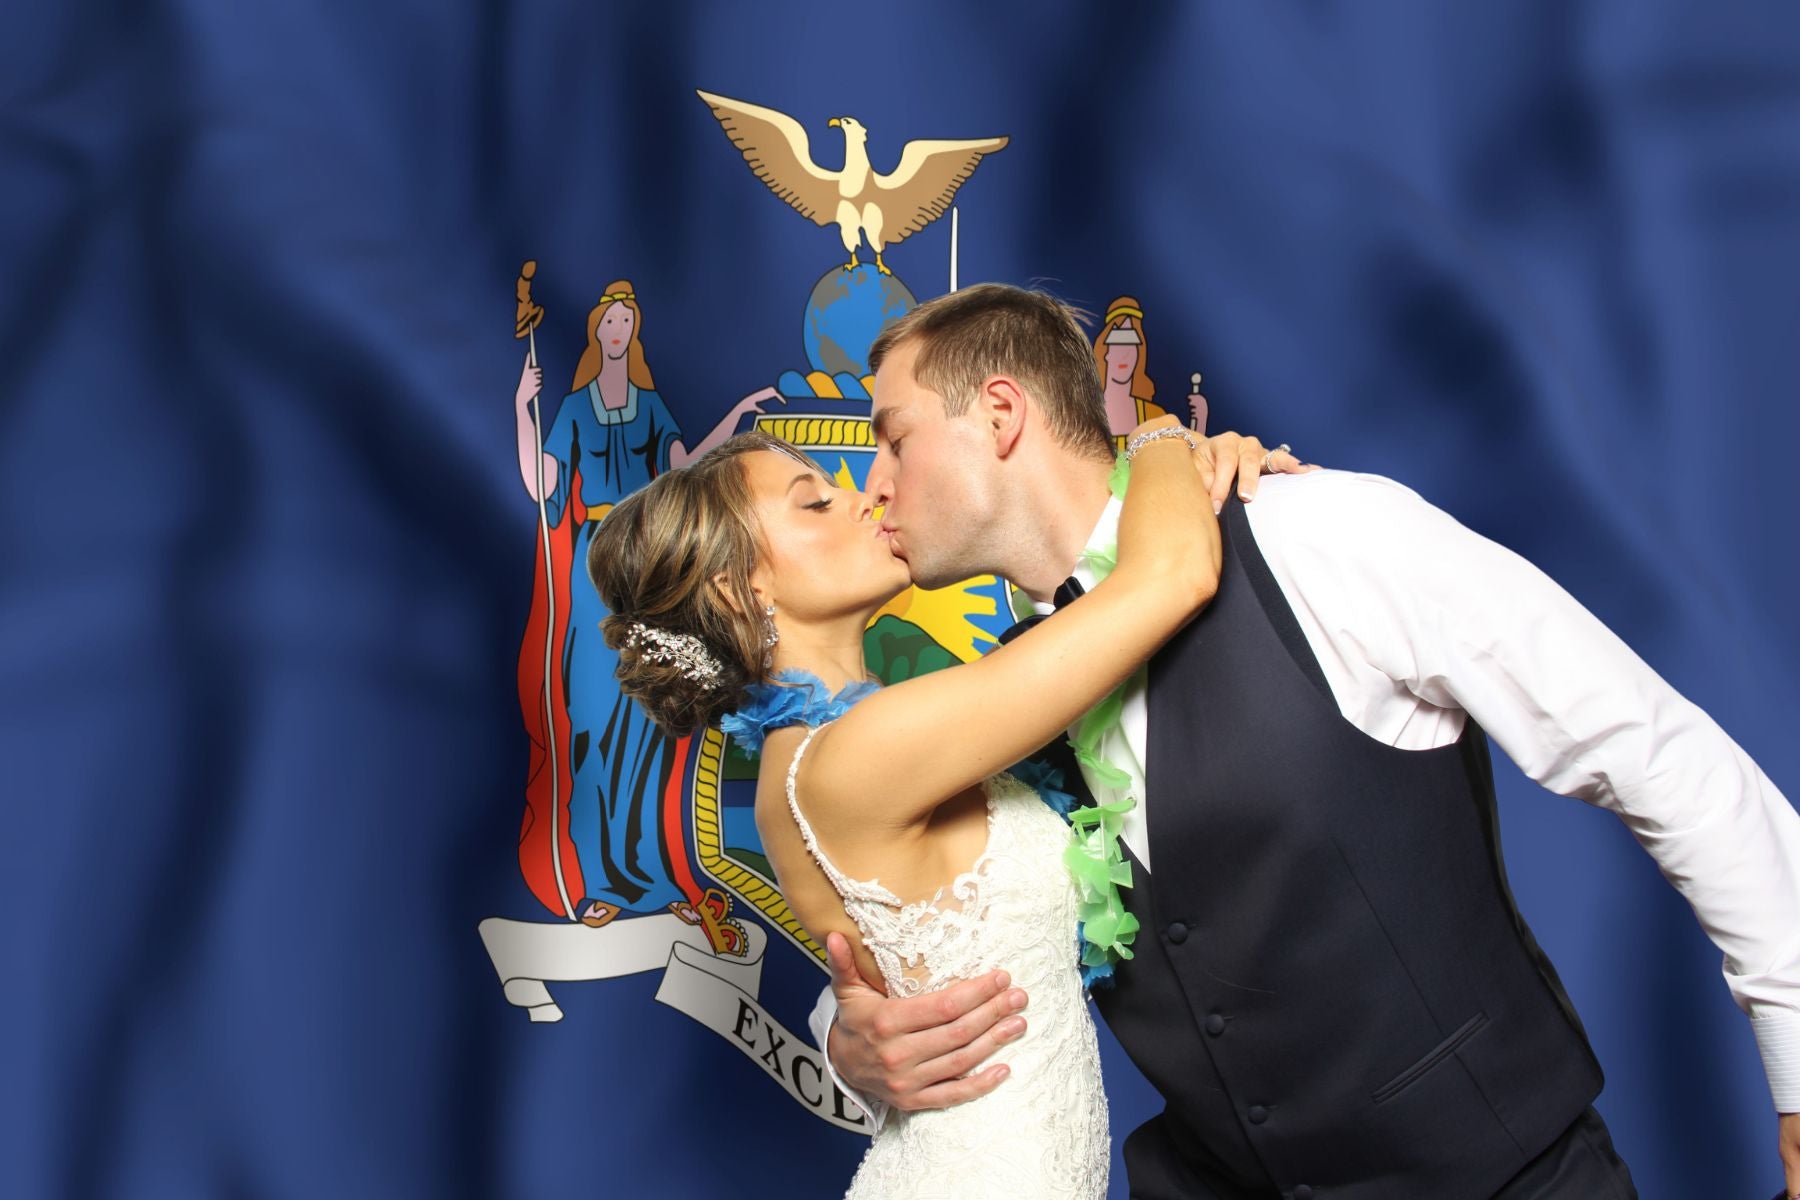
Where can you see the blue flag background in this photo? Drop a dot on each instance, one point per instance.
(266, 561)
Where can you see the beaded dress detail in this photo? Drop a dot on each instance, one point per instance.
(1043, 1132)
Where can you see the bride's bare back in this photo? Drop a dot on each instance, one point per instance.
(914, 860)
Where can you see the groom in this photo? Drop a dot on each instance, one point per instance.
(1332, 988)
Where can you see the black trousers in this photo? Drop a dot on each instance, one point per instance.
(1579, 1165)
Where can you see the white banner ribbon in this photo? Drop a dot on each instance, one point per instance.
(718, 991)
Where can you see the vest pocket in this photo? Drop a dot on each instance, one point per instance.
(1433, 1057)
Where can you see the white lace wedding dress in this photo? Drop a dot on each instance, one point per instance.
(1043, 1132)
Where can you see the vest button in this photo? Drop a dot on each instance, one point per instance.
(1303, 1193)
(1177, 932)
(1215, 1024)
(1258, 1114)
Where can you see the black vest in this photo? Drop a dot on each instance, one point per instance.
(1333, 988)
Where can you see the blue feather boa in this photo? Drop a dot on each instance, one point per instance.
(796, 698)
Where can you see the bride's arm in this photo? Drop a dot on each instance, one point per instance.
(930, 738)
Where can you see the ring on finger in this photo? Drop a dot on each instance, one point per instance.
(1284, 448)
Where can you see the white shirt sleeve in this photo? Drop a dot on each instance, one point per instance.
(824, 1015)
(1462, 623)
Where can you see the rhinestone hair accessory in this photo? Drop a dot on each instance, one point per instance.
(685, 652)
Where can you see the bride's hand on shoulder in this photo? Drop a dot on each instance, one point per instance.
(1226, 458)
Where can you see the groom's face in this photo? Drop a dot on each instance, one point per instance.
(933, 473)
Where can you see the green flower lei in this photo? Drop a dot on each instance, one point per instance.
(1094, 857)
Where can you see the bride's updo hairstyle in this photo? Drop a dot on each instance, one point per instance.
(654, 559)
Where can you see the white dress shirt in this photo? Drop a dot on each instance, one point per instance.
(1418, 623)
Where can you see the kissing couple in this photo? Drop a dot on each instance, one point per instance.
(1228, 775)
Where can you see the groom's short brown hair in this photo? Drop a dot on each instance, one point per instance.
(996, 329)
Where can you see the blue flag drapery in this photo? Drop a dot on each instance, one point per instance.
(288, 643)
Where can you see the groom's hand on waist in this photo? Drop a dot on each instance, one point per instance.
(917, 1053)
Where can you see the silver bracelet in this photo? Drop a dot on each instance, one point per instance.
(1144, 439)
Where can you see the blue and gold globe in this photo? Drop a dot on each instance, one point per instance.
(846, 313)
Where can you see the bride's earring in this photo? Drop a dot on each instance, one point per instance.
(770, 637)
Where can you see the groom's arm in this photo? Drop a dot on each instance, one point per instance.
(1465, 624)
(913, 1053)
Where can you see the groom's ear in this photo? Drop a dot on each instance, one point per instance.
(1004, 408)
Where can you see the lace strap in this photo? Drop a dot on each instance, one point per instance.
(848, 888)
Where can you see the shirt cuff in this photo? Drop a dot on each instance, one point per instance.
(1778, 1038)
(824, 1015)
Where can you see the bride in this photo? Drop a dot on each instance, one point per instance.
(739, 589)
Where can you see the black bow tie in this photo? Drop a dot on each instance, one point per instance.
(1066, 594)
